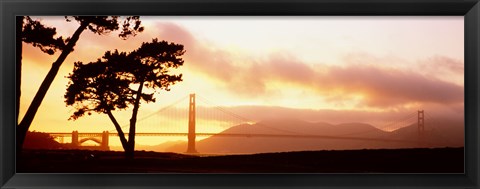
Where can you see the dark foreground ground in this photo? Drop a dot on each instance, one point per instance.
(439, 160)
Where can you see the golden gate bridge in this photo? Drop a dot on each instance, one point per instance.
(177, 120)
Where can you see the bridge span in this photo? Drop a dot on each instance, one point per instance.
(103, 138)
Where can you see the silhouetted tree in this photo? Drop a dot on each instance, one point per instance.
(108, 84)
(97, 24)
(35, 33)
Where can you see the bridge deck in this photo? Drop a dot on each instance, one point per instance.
(243, 135)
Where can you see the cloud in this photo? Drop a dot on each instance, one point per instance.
(389, 87)
(443, 63)
(200, 56)
(444, 68)
(287, 68)
(372, 85)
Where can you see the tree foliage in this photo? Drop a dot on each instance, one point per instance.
(99, 86)
(116, 81)
(101, 25)
(41, 36)
(44, 39)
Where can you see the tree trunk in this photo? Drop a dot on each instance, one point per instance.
(129, 153)
(131, 135)
(119, 130)
(18, 65)
(42, 91)
(18, 78)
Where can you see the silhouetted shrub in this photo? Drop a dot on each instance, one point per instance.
(39, 140)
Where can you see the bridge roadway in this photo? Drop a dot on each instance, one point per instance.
(244, 135)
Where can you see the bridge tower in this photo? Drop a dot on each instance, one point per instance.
(191, 125)
(75, 138)
(421, 128)
(421, 123)
(104, 144)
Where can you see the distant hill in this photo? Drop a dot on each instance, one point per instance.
(435, 135)
(158, 148)
(444, 133)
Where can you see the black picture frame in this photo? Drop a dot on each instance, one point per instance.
(470, 9)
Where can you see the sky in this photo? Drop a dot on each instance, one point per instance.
(333, 69)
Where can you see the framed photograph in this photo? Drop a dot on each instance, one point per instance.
(263, 94)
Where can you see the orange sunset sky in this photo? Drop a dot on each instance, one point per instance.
(332, 69)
